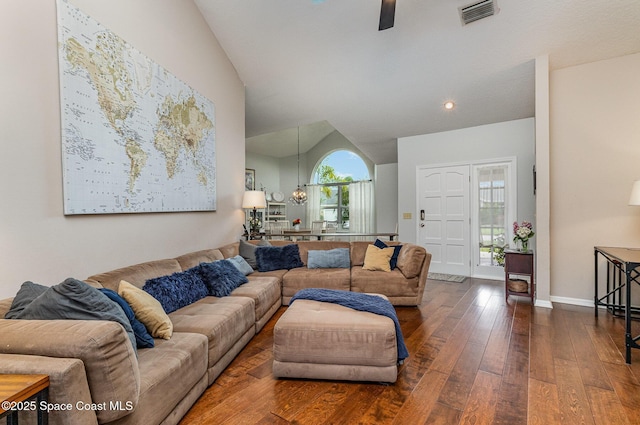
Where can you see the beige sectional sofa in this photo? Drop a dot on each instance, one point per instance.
(92, 363)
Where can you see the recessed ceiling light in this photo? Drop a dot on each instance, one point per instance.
(449, 105)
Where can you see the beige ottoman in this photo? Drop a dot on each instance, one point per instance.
(320, 340)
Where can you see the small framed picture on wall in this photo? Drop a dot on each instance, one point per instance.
(249, 179)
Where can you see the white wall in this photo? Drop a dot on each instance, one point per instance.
(386, 180)
(37, 242)
(501, 140)
(594, 159)
(267, 171)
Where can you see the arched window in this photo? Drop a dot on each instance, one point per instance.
(332, 177)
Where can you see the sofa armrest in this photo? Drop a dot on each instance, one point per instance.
(110, 363)
(67, 385)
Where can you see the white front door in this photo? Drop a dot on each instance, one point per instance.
(443, 218)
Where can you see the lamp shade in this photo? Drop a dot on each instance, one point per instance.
(254, 199)
(635, 194)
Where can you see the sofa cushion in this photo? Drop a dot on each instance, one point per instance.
(328, 259)
(241, 264)
(296, 279)
(143, 338)
(393, 284)
(137, 274)
(221, 277)
(222, 320)
(177, 290)
(264, 290)
(278, 257)
(75, 300)
(192, 259)
(411, 259)
(378, 259)
(147, 309)
(167, 373)
(28, 292)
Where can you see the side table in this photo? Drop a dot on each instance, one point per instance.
(23, 393)
(519, 265)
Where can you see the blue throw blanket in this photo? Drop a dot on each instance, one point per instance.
(361, 302)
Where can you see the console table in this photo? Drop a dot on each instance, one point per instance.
(23, 393)
(520, 264)
(622, 270)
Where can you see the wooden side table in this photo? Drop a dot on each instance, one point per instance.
(518, 274)
(23, 393)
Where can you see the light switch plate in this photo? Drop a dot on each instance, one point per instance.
(406, 216)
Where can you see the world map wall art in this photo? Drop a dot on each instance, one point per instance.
(135, 138)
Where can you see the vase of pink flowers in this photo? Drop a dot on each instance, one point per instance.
(522, 233)
(296, 224)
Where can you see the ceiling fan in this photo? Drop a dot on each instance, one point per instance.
(387, 14)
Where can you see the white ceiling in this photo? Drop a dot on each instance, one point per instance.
(306, 61)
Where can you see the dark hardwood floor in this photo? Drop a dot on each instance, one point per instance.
(473, 360)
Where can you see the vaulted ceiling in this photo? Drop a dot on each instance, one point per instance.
(308, 61)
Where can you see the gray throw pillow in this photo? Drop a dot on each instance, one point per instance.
(329, 258)
(75, 300)
(28, 292)
(248, 251)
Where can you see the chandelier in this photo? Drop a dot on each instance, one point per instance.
(299, 196)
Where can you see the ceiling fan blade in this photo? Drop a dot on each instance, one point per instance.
(387, 14)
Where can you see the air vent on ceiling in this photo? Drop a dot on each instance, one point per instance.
(478, 10)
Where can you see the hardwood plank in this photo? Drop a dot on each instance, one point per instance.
(481, 405)
(591, 369)
(606, 407)
(495, 354)
(541, 354)
(512, 405)
(604, 345)
(574, 405)
(461, 379)
(544, 406)
(627, 388)
(443, 415)
(417, 408)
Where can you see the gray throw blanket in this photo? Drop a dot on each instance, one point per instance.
(361, 302)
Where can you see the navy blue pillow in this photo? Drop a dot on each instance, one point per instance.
(278, 257)
(176, 290)
(143, 339)
(396, 251)
(221, 277)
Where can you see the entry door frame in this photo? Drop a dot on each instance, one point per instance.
(473, 214)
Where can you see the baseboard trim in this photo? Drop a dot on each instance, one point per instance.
(572, 301)
(543, 303)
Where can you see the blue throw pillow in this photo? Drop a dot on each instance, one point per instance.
(221, 277)
(241, 264)
(176, 290)
(143, 339)
(278, 257)
(329, 258)
(396, 251)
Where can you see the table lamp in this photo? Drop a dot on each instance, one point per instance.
(252, 200)
(635, 194)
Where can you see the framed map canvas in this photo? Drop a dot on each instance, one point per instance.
(134, 137)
